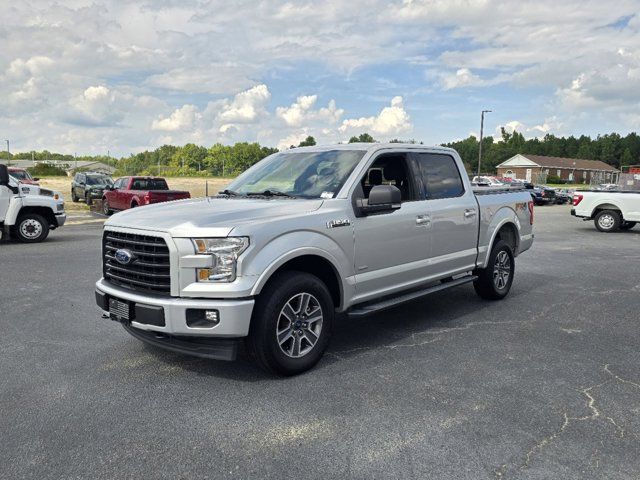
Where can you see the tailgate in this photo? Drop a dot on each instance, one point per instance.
(167, 195)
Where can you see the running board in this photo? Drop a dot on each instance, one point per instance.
(368, 309)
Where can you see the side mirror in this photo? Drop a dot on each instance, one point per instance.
(36, 179)
(4, 175)
(382, 198)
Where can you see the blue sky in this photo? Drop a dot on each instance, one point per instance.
(87, 76)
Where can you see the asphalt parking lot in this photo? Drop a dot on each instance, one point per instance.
(545, 384)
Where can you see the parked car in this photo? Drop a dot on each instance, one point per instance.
(28, 212)
(543, 195)
(88, 186)
(131, 192)
(563, 196)
(484, 180)
(300, 236)
(23, 176)
(609, 210)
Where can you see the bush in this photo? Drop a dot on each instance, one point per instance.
(46, 170)
(556, 180)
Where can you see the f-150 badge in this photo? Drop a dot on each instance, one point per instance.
(345, 222)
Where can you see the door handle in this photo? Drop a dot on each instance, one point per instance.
(469, 213)
(423, 220)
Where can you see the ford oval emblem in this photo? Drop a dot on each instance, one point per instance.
(124, 256)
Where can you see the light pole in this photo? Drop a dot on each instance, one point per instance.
(480, 144)
(8, 154)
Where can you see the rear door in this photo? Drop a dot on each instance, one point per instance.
(453, 212)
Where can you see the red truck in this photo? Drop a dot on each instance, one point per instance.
(23, 176)
(131, 192)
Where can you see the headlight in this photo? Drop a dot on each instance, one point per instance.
(225, 253)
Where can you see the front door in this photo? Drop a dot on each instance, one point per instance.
(391, 249)
(454, 215)
(528, 175)
(5, 198)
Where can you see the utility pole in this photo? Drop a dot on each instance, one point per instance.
(480, 144)
(8, 154)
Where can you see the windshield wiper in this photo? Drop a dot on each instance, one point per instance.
(226, 191)
(270, 193)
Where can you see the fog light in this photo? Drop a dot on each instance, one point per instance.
(202, 318)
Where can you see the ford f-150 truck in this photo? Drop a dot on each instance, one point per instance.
(610, 210)
(131, 192)
(28, 212)
(300, 236)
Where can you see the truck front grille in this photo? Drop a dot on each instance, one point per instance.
(148, 268)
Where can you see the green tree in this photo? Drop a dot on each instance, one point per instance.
(627, 158)
(362, 138)
(307, 142)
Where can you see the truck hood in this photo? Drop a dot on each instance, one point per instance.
(209, 217)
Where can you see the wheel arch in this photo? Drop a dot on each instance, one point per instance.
(605, 206)
(45, 212)
(508, 231)
(309, 260)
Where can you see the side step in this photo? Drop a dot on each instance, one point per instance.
(368, 309)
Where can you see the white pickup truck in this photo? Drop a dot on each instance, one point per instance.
(610, 210)
(300, 236)
(28, 212)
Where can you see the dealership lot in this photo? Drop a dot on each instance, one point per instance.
(544, 384)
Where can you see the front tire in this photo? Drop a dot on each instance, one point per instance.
(105, 207)
(74, 198)
(291, 323)
(32, 228)
(608, 221)
(494, 282)
(88, 200)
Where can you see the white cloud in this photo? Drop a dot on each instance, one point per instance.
(301, 112)
(246, 106)
(181, 119)
(461, 78)
(391, 120)
(529, 131)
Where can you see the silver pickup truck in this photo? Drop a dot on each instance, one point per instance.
(301, 236)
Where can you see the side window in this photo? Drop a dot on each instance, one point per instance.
(440, 176)
(81, 179)
(390, 169)
(118, 184)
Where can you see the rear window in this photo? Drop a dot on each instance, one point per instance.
(440, 176)
(149, 184)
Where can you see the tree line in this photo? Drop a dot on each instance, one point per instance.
(612, 148)
(231, 160)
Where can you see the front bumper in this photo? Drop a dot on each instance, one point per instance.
(61, 218)
(168, 315)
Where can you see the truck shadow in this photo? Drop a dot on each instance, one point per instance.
(426, 318)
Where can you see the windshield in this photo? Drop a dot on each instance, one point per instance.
(299, 174)
(99, 181)
(20, 174)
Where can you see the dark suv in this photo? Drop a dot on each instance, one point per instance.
(88, 186)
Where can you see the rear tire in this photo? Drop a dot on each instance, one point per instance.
(494, 282)
(627, 225)
(291, 323)
(608, 221)
(31, 228)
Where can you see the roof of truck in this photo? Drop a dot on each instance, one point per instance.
(369, 147)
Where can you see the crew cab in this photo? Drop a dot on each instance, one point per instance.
(28, 212)
(23, 176)
(131, 192)
(610, 210)
(303, 235)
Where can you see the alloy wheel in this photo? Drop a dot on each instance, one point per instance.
(501, 270)
(299, 325)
